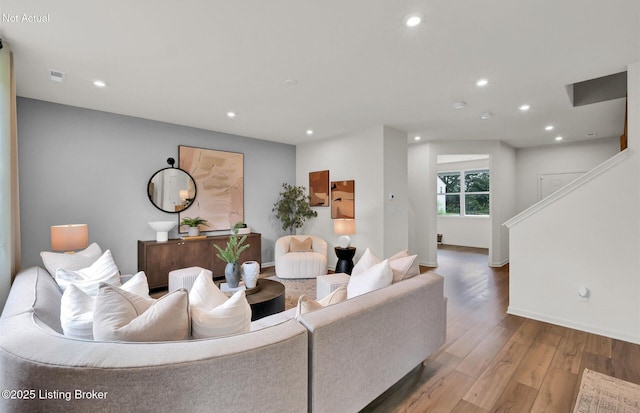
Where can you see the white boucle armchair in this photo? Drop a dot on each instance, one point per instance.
(308, 264)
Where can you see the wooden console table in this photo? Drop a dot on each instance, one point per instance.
(156, 259)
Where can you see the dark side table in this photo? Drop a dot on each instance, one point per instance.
(345, 259)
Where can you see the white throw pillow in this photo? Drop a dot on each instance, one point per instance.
(215, 315)
(78, 260)
(376, 277)
(365, 262)
(76, 306)
(204, 293)
(404, 268)
(122, 316)
(76, 313)
(307, 304)
(88, 279)
(138, 285)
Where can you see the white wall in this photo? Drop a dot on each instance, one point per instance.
(466, 231)
(422, 195)
(582, 238)
(558, 158)
(396, 218)
(361, 156)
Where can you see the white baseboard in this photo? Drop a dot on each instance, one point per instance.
(574, 325)
(267, 264)
(428, 264)
(499, 264)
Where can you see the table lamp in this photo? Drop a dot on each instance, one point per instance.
(69, 237)
(344, 227)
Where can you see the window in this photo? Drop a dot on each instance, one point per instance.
(457, 199)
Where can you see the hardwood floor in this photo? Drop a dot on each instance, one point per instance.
(494, 362)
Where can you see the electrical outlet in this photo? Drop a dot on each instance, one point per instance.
(583, 293)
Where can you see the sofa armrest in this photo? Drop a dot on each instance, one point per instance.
(281, 247)
(319, 245)
(360, 347)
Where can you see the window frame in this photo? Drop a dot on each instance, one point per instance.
(462, 173)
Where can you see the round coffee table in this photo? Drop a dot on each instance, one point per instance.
(269, 299)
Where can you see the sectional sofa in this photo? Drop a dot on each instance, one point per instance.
(336, 359)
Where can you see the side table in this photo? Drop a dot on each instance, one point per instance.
(345, 259)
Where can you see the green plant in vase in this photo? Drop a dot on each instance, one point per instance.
(231, 255)
(194, 225)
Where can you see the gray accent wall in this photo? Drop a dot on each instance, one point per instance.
(84, 166)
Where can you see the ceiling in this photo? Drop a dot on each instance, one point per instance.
(355, 64)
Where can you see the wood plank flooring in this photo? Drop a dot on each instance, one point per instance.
(494, 362)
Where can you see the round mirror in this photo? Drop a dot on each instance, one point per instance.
(171, 189)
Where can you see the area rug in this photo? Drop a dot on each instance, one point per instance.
(294, 288)
(600, 393)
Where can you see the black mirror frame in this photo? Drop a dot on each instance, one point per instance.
(171, 162)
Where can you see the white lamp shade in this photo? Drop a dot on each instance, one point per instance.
(69, 237)
(344, 226)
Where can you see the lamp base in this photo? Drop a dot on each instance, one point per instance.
(344, 241)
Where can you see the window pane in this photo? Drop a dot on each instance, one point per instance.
(448, 204)
(477, 181)
(477, 204)
(448, 183)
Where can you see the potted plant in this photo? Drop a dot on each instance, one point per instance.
(293, 208)
(231, 255)
(193, 224)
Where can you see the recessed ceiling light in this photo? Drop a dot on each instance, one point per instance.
(309, 132)
(412, 20)
(482, 82)
(417, 138)
(458, 105)
(524, 107)
(548, 127)
(231, 114)
(486, 115)
(99, 83)
(558, 138)
(290, 82)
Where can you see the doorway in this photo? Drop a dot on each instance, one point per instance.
(464, 200)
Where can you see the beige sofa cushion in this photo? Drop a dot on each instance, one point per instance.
(404, 268)
(81, 259)
(307, 304)
(304, 245)
(122, 316)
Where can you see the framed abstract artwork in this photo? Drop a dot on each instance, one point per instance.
(319, 188)
(219, 179)
(342, 199)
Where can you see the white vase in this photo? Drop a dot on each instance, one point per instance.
(194, 231)
(250, 273)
